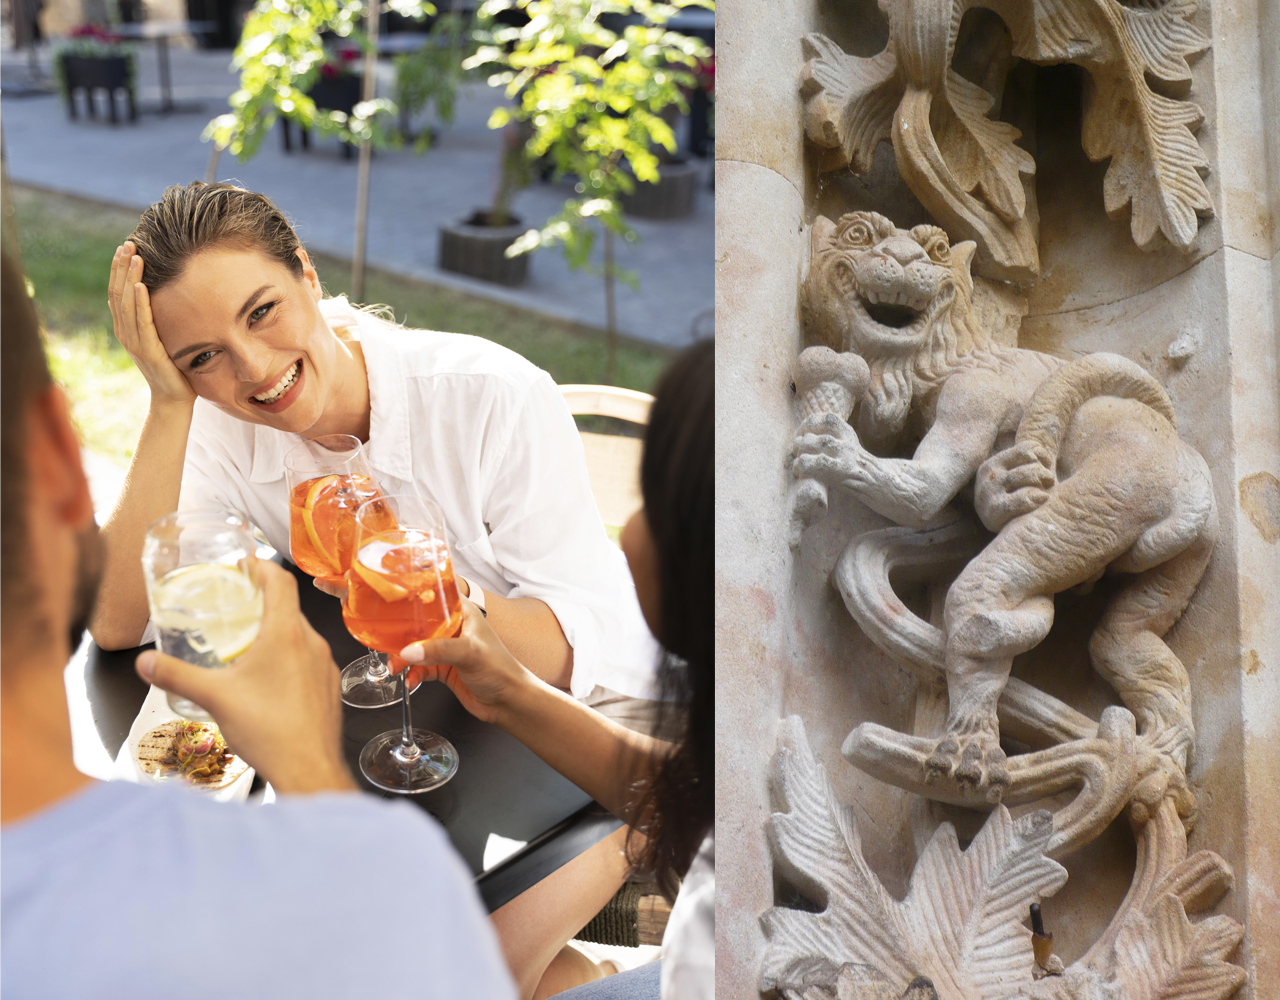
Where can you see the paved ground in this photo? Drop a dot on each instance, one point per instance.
(411, 196)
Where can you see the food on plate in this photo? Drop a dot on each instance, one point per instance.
(194, 752)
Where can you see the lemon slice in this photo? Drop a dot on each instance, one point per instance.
(387, 590)
(218, 602)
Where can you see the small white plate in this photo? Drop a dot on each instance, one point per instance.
(156, 712)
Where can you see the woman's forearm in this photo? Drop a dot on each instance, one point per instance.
(150, 491)
(532, 632)
(601, 757)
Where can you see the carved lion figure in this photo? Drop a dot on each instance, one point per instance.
(1075, 466)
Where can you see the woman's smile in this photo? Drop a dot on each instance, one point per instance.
(281, 393)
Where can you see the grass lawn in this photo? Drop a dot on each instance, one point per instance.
(67, 245)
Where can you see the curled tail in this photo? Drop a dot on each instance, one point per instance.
(1051, 408)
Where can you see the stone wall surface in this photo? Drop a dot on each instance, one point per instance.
(1202, 320)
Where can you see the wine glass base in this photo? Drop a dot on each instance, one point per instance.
(436, 764)
(360, 689)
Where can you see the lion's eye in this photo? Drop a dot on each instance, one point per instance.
(938, 248)
(860, 234)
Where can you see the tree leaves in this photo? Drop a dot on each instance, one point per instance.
(960, 923)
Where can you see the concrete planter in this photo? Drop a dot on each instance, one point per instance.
(473, 247)
(670, 198)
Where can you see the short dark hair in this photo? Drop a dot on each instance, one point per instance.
(24, 375)
(677, 482)
(200, 216)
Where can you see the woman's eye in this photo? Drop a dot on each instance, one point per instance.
(200, 359)
(261, 311)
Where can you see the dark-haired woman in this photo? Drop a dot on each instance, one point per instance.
(669, 545)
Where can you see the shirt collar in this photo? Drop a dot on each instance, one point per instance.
(389, 448)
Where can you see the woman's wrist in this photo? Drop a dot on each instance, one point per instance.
(520, 699)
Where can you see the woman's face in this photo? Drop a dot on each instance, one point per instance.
(249, 337)
(642, 557)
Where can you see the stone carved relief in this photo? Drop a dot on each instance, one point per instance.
(1033, 476)
(965, 165)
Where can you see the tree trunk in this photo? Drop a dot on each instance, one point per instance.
(611, 316)
(366, 155)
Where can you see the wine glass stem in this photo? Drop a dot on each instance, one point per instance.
(408, 749)
(379, 670)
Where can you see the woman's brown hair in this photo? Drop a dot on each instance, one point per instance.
(188, 220)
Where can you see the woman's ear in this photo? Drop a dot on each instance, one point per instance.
(309, 275)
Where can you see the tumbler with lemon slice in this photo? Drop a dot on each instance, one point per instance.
(203, 596)
(329, 478)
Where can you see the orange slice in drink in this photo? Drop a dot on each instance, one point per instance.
(325, 514)
(387, 590)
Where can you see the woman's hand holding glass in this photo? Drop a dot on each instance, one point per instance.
(136, 330)
(475, 665)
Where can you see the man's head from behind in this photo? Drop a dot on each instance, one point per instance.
(50, 556)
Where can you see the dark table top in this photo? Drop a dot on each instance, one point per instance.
(501, 786)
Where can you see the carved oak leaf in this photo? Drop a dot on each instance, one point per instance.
(816, 847)
(1157, 165)
(965, 909)
(849, 102)
(960, 923)
(981, 151)
(1167, 957)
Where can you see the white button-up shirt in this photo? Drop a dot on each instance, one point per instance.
(487, 436)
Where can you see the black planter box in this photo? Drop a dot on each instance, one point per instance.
(90, 73)
(341, 93)
(478, 250)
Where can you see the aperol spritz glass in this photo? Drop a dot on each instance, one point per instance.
(329, 478)
(401, 589)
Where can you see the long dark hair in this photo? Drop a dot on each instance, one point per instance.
(677, 482)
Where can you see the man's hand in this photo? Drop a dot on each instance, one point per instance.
(278, 704)
(476, 666)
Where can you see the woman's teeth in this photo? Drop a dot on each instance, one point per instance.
(281, 387)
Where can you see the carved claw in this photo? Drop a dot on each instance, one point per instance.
(971, 760)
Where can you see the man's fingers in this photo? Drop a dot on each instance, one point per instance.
(176, 676)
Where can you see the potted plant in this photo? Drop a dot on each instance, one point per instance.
(476, 245)
(93, 60)
(594, 99)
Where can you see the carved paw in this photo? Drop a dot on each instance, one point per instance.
(1013, 482)
(970, 759)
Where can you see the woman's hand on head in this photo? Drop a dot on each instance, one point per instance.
(475, 665)
(130, 304)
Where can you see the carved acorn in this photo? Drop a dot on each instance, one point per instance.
(826, 382)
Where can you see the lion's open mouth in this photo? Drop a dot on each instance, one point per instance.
(891, 314)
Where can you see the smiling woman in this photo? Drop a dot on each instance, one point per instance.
(223, 312)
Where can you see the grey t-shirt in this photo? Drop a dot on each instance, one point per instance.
(132, 891)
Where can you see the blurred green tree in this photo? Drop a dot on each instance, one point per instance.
(591, 79)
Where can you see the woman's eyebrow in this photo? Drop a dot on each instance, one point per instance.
(249, 302)
(189, 350)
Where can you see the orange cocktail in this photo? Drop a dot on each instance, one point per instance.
(401, 589)
(322, 522)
